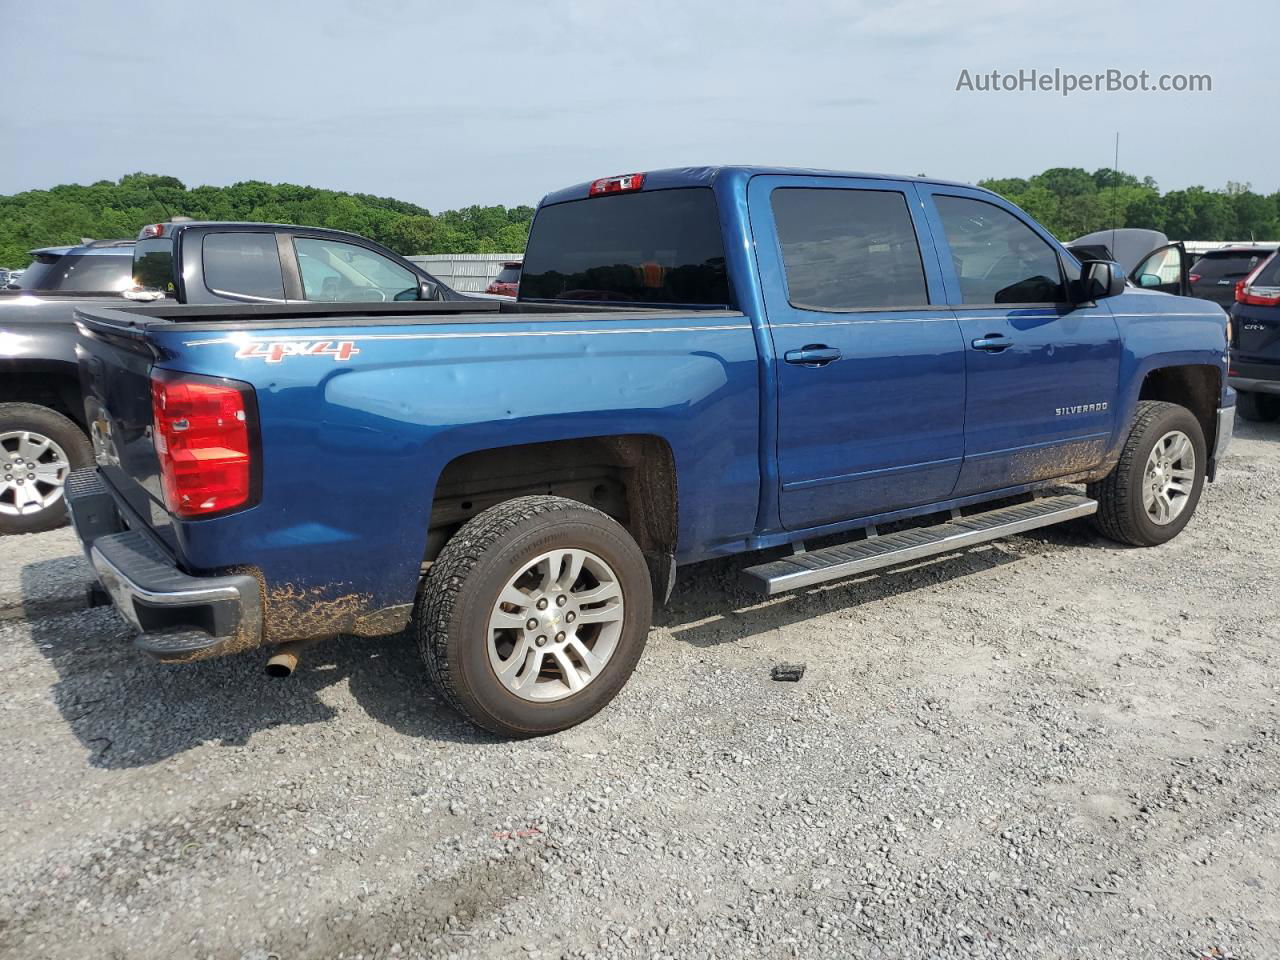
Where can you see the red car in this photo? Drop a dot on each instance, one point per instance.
(507, 282)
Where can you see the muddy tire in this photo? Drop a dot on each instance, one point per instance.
(1260, 407)
(534, 615)
(38, 448)
(1153, 491)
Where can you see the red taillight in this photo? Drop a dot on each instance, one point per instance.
(1258, 296)
(1193, 278)
(623, 184)
(202, 439)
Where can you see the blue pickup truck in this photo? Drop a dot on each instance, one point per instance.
(701, 362)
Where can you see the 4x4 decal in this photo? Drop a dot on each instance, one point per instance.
(275, 351)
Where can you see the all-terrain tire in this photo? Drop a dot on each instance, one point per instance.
(459, 595)
(1121, 514)
(1252, 405)
(17, 418)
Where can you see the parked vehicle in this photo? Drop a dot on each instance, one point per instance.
(43, 431)
(14, 277)
(507, 282)
(702, 362)
(1215, 274)
(95, 266)
(1255, 347)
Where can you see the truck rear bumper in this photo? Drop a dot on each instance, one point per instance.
(179, 617)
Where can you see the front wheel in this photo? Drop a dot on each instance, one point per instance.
(1153, 490)
(534, 615)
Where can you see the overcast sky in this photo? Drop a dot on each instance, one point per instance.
(452, 103)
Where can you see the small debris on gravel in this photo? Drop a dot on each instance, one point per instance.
(790, 672)
(1086, 769)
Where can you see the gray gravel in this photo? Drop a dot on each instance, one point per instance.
(1051, 747)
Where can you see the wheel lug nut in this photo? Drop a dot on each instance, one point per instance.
(561, 600)
(560, 637)
(532, 624)
(570, 617)
(541, 641)
(542, 604)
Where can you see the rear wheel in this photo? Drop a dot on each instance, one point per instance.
(1252, 405)
(38, 448)
(534, 615)
(1153, 490)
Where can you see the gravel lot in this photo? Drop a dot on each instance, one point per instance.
(1049, 747)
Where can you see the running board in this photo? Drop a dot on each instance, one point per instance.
(848, 559)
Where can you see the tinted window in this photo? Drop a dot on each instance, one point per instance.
(1227, 266)
(333, 270)
(508, 275)
(997, 257)
(153, 264)
(663, 246)
(1269, 276)
(243, 264)
(80, 273)
(844, 249)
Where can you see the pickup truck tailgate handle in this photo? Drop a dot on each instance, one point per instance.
(993, 342)
(812, 355)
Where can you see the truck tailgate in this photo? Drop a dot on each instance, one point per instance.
(115, 373)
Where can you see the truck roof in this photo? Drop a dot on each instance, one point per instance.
(173, 226)
(670, 177)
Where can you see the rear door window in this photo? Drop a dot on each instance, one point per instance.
(848, 249)
(245, 265)
(653, 247)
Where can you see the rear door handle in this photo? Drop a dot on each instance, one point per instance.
(812, 355)
(993, 342)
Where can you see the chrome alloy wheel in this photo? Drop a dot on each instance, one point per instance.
(32, 471)
(1169, 478)
(555, 625)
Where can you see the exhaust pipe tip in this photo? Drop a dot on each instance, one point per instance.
(283, 662)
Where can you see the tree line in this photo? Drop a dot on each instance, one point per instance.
(119, 209)
(1069, 201)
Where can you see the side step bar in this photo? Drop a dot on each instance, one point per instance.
(849, 559)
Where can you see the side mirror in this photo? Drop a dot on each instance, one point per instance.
(428, 290)
(1099, 279)
(1149, 280)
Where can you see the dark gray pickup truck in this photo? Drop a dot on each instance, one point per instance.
(43, 434)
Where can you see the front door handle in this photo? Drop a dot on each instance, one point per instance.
(812, 355)
(994, 342)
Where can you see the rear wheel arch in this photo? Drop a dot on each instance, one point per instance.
(628, 477)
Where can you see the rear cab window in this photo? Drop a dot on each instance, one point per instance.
(655, 247)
